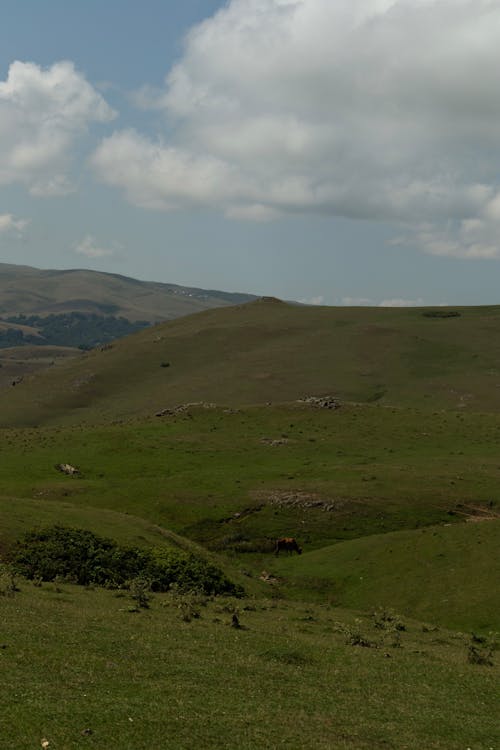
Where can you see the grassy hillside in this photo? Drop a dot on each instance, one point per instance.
(272, 351)
(30, 290)
(445, 574)
(18, 362)
(234, 481)
(393, 497)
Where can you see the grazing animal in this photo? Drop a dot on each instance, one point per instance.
(287, 544)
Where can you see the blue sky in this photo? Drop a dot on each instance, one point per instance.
(332, 151)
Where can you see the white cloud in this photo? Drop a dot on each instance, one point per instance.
(319, 300)
(393, 302)
(357, 302)
(369, 109)
(42, 111)
(399, 302)
(91, 248)
(10, 225)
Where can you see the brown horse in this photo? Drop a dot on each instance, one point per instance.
(287, 544)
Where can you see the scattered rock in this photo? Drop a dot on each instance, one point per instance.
(183, 409)
(320, 402)
(68, 469)
(267, 577)
(303, 500)
(274, 441)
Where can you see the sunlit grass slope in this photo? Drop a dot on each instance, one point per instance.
(444, 574)
(272, 351)
(216, 477)
(333, 475)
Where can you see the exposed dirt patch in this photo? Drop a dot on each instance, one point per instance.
(477, 513)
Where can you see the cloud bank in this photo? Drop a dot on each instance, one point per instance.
(370, 109)
(42, 113)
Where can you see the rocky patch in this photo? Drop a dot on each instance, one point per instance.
(320, 402)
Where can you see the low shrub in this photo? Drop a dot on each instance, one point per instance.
(481, 648)
(189, 573)
(139, 592)
(82, 557)
(78, 556)
(353, 635)
(386, 619)
(8, 585)
(441, 314)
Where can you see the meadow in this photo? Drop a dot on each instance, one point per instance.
(378, 635)
(180, 676)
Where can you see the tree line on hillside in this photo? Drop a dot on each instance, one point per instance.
(76, 329)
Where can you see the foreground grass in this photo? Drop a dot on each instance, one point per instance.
(76, 659)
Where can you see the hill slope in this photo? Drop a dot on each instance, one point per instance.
(425, 572)
(30, 290)
(271, 351)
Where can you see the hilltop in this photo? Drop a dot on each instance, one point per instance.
(271, 351)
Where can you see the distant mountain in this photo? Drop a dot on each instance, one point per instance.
(31, 291)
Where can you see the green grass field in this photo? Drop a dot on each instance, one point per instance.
(393, 497)
(286, 678)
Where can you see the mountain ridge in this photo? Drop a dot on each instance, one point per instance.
(30, 290)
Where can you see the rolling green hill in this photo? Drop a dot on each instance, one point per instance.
(381, 485)
(427, 572)
(195, 434)
(272, 351)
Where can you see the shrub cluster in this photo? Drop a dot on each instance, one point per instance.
(481, 648)
(85, 558)
(441, 314)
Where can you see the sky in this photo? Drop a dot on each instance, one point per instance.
(337, 152)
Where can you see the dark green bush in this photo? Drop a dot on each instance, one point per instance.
(441, 314)
(189, 573)
(83, 557)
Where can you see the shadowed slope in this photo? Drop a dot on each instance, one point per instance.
(272, 351)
